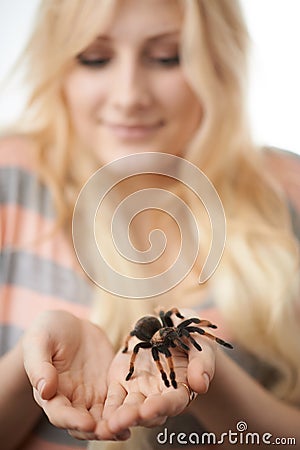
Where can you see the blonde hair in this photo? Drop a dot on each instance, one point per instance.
(256, 284)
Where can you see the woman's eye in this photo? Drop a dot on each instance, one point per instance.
(168, 61)
(92, 61)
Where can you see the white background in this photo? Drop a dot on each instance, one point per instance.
(274, 97)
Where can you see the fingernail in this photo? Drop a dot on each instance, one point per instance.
(40, 386)
(123, 436)
(206, 380)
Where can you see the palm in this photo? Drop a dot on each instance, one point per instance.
(82, 364)
(79, 355)
(144, 399)
(146, 376)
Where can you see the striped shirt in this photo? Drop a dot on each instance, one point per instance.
(37, 273)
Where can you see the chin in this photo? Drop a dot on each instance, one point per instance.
(111, 155)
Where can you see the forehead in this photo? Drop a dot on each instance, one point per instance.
(134, 19)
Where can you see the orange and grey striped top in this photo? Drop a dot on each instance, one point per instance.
(37, 273)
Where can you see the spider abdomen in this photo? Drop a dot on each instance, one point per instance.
(146, 328)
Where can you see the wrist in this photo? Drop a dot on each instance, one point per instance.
(19, 376)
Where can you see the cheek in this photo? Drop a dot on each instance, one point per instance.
(180, 100)
(83, 98)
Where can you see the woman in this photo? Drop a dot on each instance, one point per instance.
(164, 77)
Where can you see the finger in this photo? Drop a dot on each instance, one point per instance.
(116, 395)
(82, 436)
(103, 433)
(170, 403)
(127, 415)
(134, 399)
(201, 367)
(62, 414)
(93, 436)
(156, 422)
(38, 365)
(123, 436)
(96, 411)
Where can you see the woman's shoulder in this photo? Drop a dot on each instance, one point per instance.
(285, 168)
(17, 151)
(20, 183)
(282, 162)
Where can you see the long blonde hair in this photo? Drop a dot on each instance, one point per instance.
(256, 284)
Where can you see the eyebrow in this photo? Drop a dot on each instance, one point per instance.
(155, 38)
(163, 36)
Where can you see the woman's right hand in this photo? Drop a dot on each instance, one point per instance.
(67, 360)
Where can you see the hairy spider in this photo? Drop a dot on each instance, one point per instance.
(161, 335)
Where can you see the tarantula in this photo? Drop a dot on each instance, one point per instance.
(161, 335)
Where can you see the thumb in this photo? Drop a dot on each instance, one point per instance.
(37, 355)
(201, 367)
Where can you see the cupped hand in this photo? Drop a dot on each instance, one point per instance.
(144, 399)
(67, 361)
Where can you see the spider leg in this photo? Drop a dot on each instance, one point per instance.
(132, 333)
(166, 320)
(203, 323)
(174, 311)
(155, 355)
(207, 323)
(210, 336)
(186, 333)
(166, 317)
(133, 356)
(169, 359)
(182, 344)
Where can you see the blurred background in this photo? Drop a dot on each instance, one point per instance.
(274, 94)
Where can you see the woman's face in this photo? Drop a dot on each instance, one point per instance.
(127, 92)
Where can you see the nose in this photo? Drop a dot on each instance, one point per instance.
(131, 89)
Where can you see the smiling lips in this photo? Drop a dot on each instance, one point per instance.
(132, 132)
